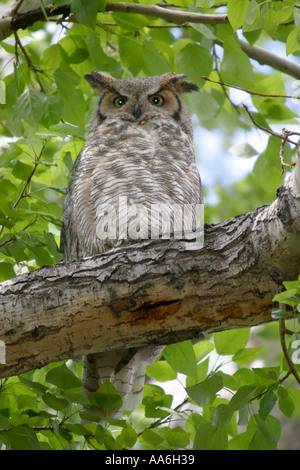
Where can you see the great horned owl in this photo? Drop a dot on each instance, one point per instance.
(139, 151)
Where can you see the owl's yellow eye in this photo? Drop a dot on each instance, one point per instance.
(119, 101)
(156, 100)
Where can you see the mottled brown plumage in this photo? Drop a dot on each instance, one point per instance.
(139, 153)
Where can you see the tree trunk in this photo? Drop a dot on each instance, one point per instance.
(155, 291)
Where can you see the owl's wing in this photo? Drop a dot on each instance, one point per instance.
(69, 239)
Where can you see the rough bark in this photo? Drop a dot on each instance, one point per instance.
(155, 291)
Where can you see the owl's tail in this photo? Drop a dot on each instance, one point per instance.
(124, 368)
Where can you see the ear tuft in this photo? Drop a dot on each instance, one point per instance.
(177, 81)
(100, 80)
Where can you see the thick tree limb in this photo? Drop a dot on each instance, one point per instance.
(154, 292)
(265, 57)
(11, 22)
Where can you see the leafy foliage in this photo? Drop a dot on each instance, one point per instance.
(45, 110)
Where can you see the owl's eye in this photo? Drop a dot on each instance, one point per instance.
(156, 100)
(119, 101)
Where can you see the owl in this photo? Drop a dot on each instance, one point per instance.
(131, 180)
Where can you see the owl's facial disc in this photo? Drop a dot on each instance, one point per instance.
(139, 107)
(156, 100)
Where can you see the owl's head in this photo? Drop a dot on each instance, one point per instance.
(142, 98)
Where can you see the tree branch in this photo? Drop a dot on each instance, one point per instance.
(265, 57)
(12, 22)
(155, 291)
(167, 14)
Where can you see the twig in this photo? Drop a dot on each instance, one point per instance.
(285, 134)
(223, 85)
(250, 92)
(282, 332)
(12, 239)
(35, 165)
(284, 137)
(269, 131)
(28, 60)
(14, 11)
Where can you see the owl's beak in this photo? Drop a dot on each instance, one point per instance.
(137, 110)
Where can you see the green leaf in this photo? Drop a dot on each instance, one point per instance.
(52, 110)
(9, 154)
(152, 437)
(237, 10)
(36, 107)
(100, 60)
(242, 397)
(6, 271)
(177, 437)
(130, 22)
(292, 284)
(65, 130)
(271, 22)
(161, 371)
(60, 431)
(78, 429)
(205, 101)
(294, 394)
(266, 404)
(209, 437)
(154, 399)
(154, 62)
(181, 357)
(36, 386)
(222, 416)
(107, 397)
(53, 56)
(247, 355)
(16, 251)
(231, 341)
(54, 402)
(203, 392)
(297, 16)
(131, 54)
(236, 67)
(266, 435)
(194, 61)
(21, 438)
(289, 297)
(85, 12)
(285, 402)
(89, 416)
(252, 13)
(63, 377)
(74, 105)
(52, 245)
(129, 436)
(22, 170)
(29, 106)
(244, 150)
(241, 441)
(202, 348)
